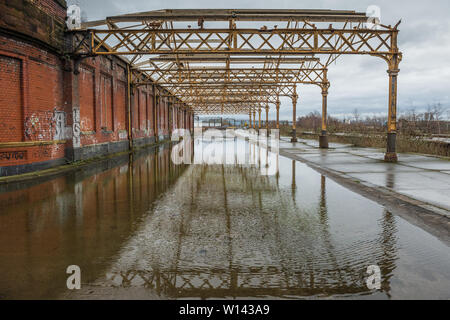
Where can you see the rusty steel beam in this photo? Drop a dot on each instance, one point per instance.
(319, 15)
(238, 75)
(147, 41)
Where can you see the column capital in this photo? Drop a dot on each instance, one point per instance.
(325, 86)
(393, 72)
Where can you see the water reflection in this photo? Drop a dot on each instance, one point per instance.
(80, 218)
(210, 230)
(228, 231)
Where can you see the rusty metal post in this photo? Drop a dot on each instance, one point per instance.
(254, 119)
(294, 115)
(393, 71)
(391, 150)
(267, 120)
(259, 118)
(323, 138)
(130, 128)
(278, 112)
(170, 115)
(156, 113)
(250, 117)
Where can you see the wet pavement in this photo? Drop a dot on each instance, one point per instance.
(146, 228)
(420, 177)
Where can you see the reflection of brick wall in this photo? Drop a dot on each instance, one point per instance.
(69, 201)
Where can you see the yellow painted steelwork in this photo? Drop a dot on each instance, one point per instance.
(239, 61)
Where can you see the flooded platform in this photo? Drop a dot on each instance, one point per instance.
(143, 227)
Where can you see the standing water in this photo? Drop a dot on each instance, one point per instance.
(142, 226)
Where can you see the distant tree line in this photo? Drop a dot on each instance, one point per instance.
(410, 122)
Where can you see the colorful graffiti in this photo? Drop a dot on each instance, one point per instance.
(46, 126)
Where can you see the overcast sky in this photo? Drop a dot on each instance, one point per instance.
(357, 82)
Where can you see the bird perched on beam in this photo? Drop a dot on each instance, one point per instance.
(201, 21)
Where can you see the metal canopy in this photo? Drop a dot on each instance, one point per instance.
(210, 59)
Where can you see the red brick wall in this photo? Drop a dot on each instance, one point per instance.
(39, 19)
(31, 100)
(11, 107)
(162, 116)
(38, 93)
(45, 90)
(135, 113)
(55, 8)
(120, 105)
(106, 97)
(87, 99)
(165, 118)
(142, 111)
(103, 101)
(150, 115)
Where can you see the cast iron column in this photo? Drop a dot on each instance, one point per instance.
(278, 113)
(294, 116)
(391, 150)
(323, 138)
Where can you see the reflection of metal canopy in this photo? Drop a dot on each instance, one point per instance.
(215, 248)
(199, 48)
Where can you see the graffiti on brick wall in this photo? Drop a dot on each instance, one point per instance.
(123, 134)
(6, 127)
(13, 155)
(47, 152)
(87, 124)
(33, 127)
(46, 126)
(59, 119)
(76, 129)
